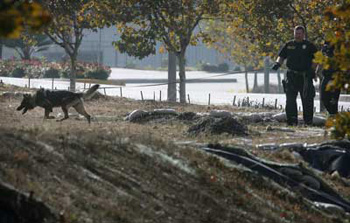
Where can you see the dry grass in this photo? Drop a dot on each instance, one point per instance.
(117, 171)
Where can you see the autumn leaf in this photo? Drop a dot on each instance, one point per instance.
(162, 49)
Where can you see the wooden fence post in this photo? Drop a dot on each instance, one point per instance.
(276, 103)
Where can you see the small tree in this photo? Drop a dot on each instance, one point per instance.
(337, 26)
(142, 23)
(69, 20)
(236, 48)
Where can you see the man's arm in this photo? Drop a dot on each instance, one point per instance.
(282, 54)
(318, 71)
(278, 63)
(315, 67)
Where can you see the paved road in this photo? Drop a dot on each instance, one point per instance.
(213, 87)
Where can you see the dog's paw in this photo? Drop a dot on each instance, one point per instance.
(62, 119)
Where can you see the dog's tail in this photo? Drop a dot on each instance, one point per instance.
(89, 93)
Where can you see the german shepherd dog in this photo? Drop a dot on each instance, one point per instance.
(48, 99)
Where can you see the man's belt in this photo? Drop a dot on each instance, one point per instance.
(306, 82)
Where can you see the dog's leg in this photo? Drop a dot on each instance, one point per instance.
(81, 110)
(65, 111)
(47, 114)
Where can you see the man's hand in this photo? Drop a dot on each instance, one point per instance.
(276, 66)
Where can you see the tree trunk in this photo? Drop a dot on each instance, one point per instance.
(26, 53)
(73, 71)
(266, 75)
(171, 77)
(255, 86)
(246, 80)
(279, 81)
(182, 76)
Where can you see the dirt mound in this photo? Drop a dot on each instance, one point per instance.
(188, 116)
(218, 126)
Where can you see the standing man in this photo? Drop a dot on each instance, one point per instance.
(299, 54)
(329, 98)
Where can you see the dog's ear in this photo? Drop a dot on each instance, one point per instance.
(20, 107)
(24, 110)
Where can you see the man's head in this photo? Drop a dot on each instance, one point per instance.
(299, 33)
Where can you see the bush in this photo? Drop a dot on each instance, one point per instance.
(4, 73)
(45, 69)
(223, 67)
(339, 125)
(237, 68)
(213, 68)
(18, 72)
(100, 74)
(130, 64)
(52, 73)
(208, 67)
(65, 74)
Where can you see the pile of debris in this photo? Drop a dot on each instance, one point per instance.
(294, 176)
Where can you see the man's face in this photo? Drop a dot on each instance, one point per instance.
(299, 35)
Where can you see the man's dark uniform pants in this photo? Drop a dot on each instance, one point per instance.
(299, 82)
(329, 98)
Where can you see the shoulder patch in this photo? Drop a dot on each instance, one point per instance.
(291, 47)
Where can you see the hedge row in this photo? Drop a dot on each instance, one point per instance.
(44, 69)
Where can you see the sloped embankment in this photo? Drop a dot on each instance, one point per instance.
(112, 178)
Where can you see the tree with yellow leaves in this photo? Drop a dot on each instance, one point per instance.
(69, 19)
(337, 31)
(16, 15)
(174, 23)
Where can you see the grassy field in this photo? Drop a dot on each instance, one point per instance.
(117, 171)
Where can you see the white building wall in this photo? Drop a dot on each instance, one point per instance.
(93, 42)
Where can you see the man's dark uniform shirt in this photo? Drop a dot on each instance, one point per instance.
(299, 56)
